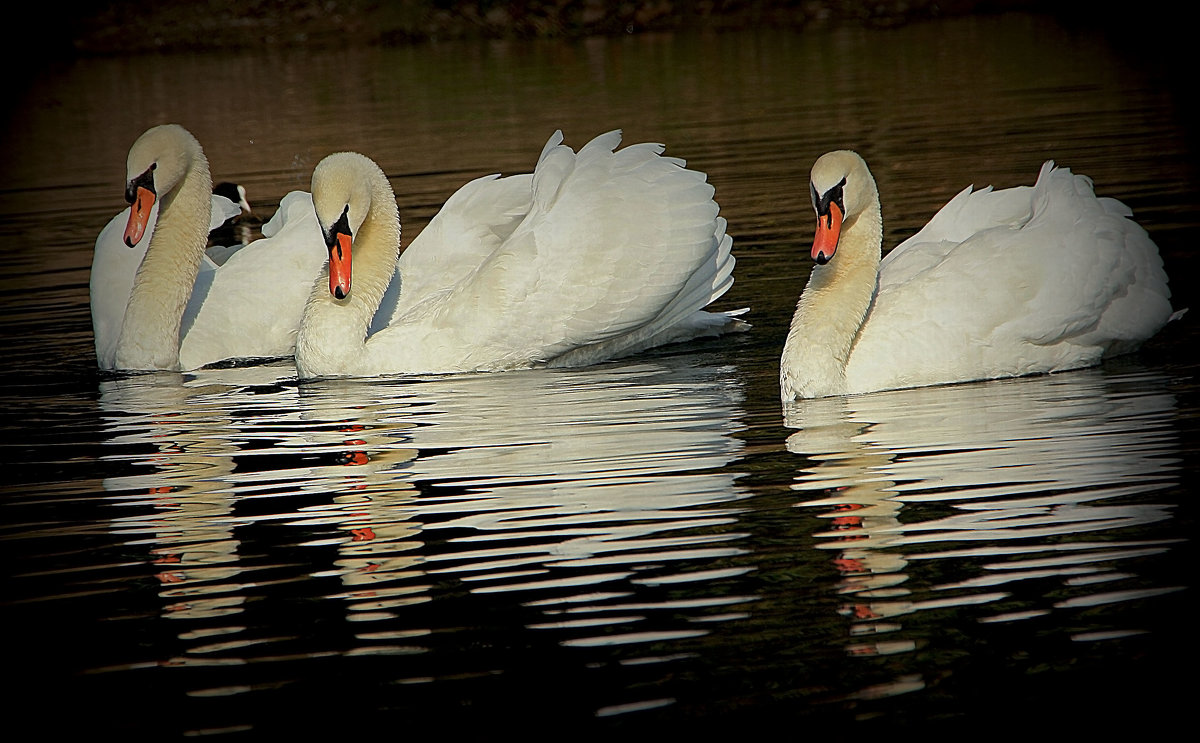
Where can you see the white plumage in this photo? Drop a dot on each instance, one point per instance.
(163, 303)
(595, 255)
(999, 283)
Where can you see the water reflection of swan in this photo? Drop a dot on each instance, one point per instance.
(548, 484)
(175, 449)
(194, 443)
(1003, 484)
(587, 463)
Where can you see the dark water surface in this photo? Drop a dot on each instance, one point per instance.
(648, 546)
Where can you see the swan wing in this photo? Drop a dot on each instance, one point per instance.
(970, 213)
(1051, 278)
(114, 266)
(616, 244)
(469, 227)
(250, 307)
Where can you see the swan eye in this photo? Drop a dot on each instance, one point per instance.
(340, 227)
(833, 195)
(145, 180)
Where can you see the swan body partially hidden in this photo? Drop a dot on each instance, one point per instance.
(161, 302)
(592, 256)
(1005, 283)
(236, 229)
(236, 193)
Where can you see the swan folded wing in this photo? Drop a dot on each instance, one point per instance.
(294, 209)
(681, 320)
(1145, 306)
(1119, 295)
(258, 295)
(973, 214)
(1105, 288)
(114, 266)
(943, 323)
(966, 215)
(1076, 281)
(611, 242)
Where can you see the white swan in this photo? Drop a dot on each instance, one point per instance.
(593, 256)
(164, 304)
(1003, 283)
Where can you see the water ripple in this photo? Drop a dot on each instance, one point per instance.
(568, 482)
(1027, 486)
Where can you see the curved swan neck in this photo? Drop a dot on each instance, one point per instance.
(150, 331)
(832, 310)
(333, 333)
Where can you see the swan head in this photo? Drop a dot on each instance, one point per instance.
(157, 162)
(841, 188)
(342, 197)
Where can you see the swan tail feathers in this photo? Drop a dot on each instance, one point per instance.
(554, 167)
(555, 140)
(707, 284)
